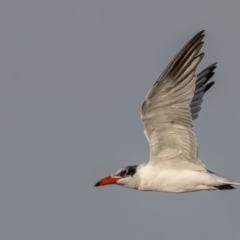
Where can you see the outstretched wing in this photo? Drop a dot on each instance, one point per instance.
(166, 112)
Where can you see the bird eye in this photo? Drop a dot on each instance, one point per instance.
(123, 172)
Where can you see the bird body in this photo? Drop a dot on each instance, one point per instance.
(151, 178)
(168, 112)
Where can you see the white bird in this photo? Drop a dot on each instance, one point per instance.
(168, 112)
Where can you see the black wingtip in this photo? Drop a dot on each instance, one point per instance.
(208, 86)
(210, 68)
(201, 32)
(225, 187)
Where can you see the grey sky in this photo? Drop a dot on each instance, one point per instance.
(73, 76)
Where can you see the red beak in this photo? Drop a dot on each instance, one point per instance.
(105, 181)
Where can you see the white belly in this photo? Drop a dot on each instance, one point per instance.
(176, 181)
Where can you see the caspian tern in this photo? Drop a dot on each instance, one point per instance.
(168, 112)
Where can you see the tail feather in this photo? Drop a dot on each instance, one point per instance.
(222, 183)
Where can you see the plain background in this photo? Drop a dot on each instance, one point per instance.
(73, 76)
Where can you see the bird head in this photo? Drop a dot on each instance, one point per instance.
(122, 176)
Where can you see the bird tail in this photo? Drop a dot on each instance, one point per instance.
(223, 183)
(226, 185)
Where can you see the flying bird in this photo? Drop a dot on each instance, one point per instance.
(167, 114)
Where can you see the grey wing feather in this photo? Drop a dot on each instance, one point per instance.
(201, 87)
(166, 112)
